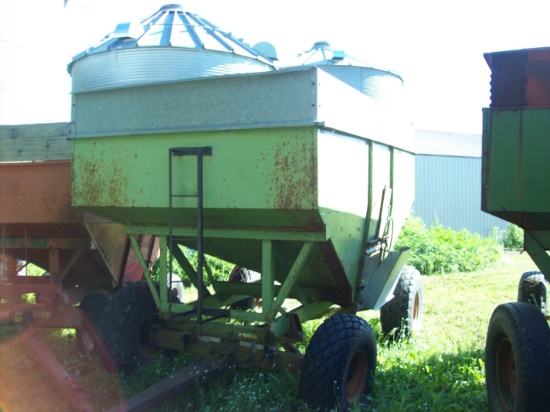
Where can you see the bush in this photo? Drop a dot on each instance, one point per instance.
(512, 237)
(440, 250)
(220, 268)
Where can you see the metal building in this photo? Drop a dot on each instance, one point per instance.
(448, 183)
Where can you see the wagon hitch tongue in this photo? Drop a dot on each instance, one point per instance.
(186, 378)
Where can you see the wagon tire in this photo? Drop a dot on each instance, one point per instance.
(533, 289)
(126, 325)
(339, 364)
(91, 309)
(402, 316)
(517, 358)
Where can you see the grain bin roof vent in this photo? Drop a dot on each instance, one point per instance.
(172, 44)
(383, 85)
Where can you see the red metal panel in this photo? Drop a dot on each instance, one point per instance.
(520, 78)
(37, 192)
(39, 225)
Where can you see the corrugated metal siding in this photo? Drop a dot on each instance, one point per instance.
(448, 190)
(427, 142)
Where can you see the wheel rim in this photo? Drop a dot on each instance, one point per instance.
(416, 307)
(506, 374)
(357, 377)
(176, 293)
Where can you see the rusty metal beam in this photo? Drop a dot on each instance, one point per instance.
(40, 315)
(13, 242)
(186, 378)
(69, 265)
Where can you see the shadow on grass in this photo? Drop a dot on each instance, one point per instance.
(405, 381)
(409, 381)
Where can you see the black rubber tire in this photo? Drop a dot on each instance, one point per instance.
(125, 325)
(533, 289)
(402, 316)
(339, 365)
(517, 359)
(91, 308)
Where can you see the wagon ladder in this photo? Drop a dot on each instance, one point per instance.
(199, 152)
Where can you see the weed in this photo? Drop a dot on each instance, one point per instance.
(436, 250)
(512, 237)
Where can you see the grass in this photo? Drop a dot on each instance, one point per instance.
(440, 368)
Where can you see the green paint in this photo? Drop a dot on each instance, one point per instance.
(295, 203)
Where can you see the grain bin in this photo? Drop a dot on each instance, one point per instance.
(171, 44)
(383, 85)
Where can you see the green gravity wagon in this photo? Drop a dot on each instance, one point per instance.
(290, 174)
(516, 137)
(296, 178)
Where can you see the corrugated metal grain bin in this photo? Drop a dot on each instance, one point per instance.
(171, 44)
(385, 86)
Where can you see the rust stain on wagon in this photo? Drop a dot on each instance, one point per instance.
(296, 173)
(100, 183)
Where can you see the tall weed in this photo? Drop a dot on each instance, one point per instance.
(436, 249)
(512, 237)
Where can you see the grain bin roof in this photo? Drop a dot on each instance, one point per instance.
(322, 53)
(173, 26)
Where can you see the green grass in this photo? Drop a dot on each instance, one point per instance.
(440, 368)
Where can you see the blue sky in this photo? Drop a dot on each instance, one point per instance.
(437, 46)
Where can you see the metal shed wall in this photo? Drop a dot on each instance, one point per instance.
(448, 190)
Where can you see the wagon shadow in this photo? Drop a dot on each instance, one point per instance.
(444, 381)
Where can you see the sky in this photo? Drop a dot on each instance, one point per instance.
(436, 46)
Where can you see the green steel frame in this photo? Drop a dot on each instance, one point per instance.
(283, 327)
